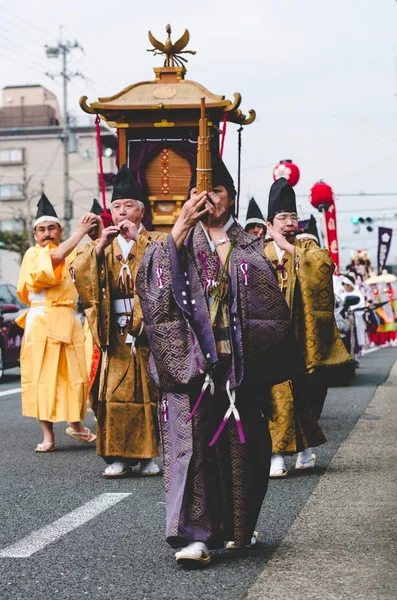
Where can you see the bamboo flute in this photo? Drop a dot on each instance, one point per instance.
(204, 169)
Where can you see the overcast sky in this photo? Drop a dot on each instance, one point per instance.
(321, 75)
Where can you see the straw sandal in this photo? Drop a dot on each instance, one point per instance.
(45, 447)
(254, 541)
(195, 554)
(302, 465)
(86, 437)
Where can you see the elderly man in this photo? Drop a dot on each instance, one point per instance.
(218, 328)
(126, 400)
(304, 273)
(53, 372)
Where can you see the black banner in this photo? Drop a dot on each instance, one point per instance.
(384, 242)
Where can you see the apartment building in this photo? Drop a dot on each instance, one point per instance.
(31, 157)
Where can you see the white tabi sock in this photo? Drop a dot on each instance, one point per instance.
(117, 467)
(149, 467)
(277, 464)
(194, 549)
(305, 459)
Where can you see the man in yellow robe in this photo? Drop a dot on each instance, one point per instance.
(304, 272)
(125, 402)
(53, 373)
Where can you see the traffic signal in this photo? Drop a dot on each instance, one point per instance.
(357, 221)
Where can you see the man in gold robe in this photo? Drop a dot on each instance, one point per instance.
(125, 401)
(53, 372)
(304, 273)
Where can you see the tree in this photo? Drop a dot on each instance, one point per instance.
(20, 241)
(16, 242)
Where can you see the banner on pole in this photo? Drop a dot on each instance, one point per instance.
(332, 235)
(384, 243)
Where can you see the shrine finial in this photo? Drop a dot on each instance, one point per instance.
(171, 51)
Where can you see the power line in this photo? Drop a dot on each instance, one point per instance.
(23, 63)
(22, 20)
(15, 29)
(25, 55)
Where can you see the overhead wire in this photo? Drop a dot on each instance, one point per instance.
(17, 29)
(38, 39)
(23, 63)
(5, 8)
(25, 56)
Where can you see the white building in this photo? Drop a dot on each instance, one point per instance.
(31, 157)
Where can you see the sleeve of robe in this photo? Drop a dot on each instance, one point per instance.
(316, 327)
(176, 355)
(91, 281)
(37, 272)
(269, 351)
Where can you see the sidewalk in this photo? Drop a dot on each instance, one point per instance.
(343, 545)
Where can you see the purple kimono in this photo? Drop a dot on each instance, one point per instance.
(213, 411)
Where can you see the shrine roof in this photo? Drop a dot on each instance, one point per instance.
(169, 91)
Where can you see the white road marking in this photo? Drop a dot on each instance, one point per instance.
(370, 350)
(50, 533)
(9, 392)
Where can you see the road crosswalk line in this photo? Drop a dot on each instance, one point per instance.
(39, 539)
(10, 392)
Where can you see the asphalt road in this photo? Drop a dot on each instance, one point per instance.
(121, 553)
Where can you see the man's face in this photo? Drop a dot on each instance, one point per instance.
(285, 223)
(126, 208)
(48, 232)
(222, 194)
(255, 229)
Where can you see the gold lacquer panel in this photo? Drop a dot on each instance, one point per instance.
(167, 179)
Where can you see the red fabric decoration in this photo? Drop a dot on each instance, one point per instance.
(287, 169)
(101, 175)
(105, 216)
(223, 135)
(106, 219)
(331, 235)
(321, 196)
(96, 356)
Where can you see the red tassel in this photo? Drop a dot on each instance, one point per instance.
(106, 219)
(223, 135)
(101, 175)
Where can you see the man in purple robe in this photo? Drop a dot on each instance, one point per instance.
(220, 336)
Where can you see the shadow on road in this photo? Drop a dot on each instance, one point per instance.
(10, 377)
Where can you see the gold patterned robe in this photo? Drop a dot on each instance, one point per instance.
(126, 403)
(54, 378)
(306, 280)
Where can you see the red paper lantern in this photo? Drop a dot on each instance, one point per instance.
(321, 196)
(287, 169)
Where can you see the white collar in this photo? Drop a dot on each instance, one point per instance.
(280, 252)
(226, 227)
(126, 246)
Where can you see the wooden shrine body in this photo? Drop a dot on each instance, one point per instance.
(157, 124)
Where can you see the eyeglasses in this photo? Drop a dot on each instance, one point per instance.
(283, 218)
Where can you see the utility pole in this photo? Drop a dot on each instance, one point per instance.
(63, 49)
(68, 209)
